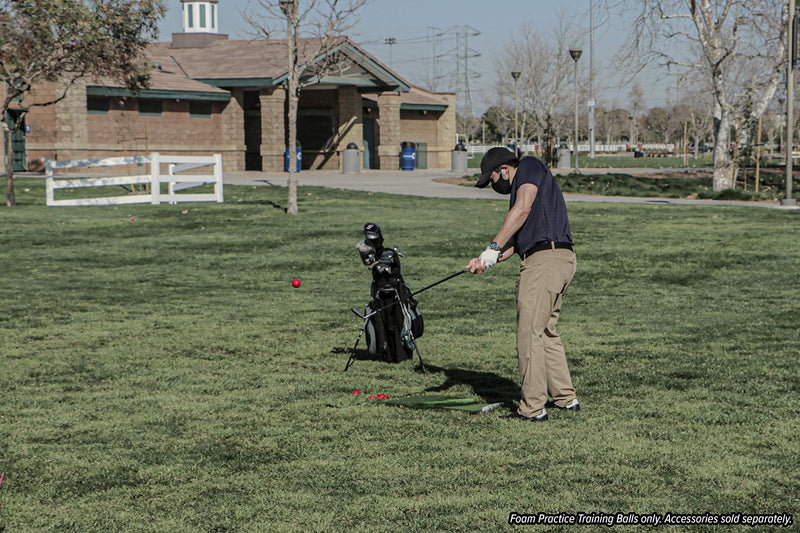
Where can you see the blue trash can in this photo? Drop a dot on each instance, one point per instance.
(408, 156)
(299, 157)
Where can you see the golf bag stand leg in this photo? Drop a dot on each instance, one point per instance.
(353, 351)
(416, 347)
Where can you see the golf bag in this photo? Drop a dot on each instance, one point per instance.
(393, 322)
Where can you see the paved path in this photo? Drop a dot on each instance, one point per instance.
(421, 183)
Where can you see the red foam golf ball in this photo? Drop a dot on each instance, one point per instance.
(356, 391)
(295, 283)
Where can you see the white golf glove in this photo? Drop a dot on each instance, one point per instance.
(489, 257)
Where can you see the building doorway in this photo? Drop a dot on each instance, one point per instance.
(369, 142)
(252, 131)
(20, 159)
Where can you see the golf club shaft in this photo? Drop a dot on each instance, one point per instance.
(440, 281)
(397, 299)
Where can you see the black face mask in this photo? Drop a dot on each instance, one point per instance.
(502, 186)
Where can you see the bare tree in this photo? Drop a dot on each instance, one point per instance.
(701, 126)
(636, 99)
(614, 123)
(773, 125)
(724, 40)
(656, 125)
(499, 121)
(546, 71)
(58, 42)
(322, 22)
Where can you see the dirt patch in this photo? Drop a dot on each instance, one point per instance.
(454, 181)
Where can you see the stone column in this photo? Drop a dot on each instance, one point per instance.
(446, 136)
(388, 131)
(351, 125)
(273, 128)
(71, 123)
(233, 147)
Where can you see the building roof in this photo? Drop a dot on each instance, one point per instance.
(416, 98)
(204, 68)
(166, 81)
(263, 62)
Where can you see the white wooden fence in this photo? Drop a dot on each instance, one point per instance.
(176, 164)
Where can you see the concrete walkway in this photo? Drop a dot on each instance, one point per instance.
(421, 183)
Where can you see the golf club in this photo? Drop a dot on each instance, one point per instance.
(451, 276)
(363, 317)
(366, 317)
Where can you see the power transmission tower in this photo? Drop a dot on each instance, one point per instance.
(461, 75)
(431, 36)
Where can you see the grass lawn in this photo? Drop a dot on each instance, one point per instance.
(160, 373)
(617, 161)
(667, 162)
(671, 184)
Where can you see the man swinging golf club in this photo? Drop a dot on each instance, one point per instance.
(537, 229)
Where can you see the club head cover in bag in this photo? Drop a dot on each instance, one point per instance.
(373, 235)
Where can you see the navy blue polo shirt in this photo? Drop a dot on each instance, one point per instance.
(548, 219)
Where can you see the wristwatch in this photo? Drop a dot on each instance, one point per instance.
(494, 246)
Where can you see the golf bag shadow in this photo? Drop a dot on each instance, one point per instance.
(392, 321)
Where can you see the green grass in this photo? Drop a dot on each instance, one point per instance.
(616, 161)
(162, 374)
(666, 162)
(771, 186)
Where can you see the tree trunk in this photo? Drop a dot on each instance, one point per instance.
(291, 115)
(291, 208)
(723, 165)
(10, 198)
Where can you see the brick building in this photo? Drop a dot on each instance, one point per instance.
(210, 94)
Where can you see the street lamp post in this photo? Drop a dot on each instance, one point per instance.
(515, 74)
(575, 54)
(591, 81)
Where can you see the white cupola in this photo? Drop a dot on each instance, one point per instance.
(200, 16)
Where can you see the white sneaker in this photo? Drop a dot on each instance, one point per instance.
(573, 405)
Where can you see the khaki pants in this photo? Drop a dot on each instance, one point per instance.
(543, 279)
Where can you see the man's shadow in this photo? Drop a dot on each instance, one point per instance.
(359, 355)
(488, 385)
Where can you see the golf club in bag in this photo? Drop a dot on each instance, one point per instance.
(392, 321)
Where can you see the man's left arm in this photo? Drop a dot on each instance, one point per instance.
(514, 220)
(518, 214)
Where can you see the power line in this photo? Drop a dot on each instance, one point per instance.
(463, 74)
(451, 65)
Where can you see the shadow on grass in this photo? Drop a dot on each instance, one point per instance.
(263, 202)
(488, 385)
(360, 355)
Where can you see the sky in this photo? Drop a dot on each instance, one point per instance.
(487, 26)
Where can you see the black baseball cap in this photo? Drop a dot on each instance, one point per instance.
(491, 160)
